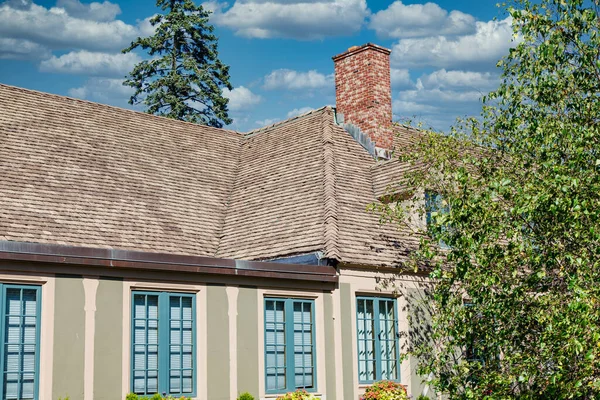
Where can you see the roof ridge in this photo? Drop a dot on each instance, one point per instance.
(330, 222)
(94, 103)
(265, 128)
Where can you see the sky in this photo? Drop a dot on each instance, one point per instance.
(443, 59)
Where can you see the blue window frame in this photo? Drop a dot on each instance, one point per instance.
(289, 345)
(20, 335)
(163, 343)
(377, 327)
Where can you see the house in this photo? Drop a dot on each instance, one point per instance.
(143, 254)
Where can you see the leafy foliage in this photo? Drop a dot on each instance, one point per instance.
(299, 394)
(156, 396)
(245, 396)
(183, 78)
(515, 296)
(385, 390)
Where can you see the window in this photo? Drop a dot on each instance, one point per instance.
(289, 345)
(435, 206)
(377, 326)
(163, 341)
(20, 331)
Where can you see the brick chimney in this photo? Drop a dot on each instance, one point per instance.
(363, 91)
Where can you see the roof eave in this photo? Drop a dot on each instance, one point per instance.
(118, 259)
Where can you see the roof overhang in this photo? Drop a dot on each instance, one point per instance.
(116, 259)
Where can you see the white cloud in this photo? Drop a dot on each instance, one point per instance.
(18, 49)
(90, 63)
(439, 97)
(105, 11)
(400, 78)
(241, 98)
(145, 28)
(299, 111)
(266, 121)
(442, 79)
(104, 90)
(300, 19)
(290, 79)
(414, 20)
(57, 29)
(488, 44)
(406, 108)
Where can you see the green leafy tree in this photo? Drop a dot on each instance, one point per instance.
(514, 298)
(183, 79)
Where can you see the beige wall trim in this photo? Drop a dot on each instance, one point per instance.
(337, 328)
(90, 287)
(232, 296)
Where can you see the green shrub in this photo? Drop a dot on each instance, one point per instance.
(385, 390)
(157, 396)
(299, 394)
(245, 396)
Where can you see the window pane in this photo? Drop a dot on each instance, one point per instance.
(20, 345)
(366, 340)
(387, 328)
(275, 351)
(181, 350)
(145, 346)
(303, 346)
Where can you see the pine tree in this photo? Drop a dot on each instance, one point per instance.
(183, 78)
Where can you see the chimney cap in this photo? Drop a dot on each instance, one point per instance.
(357, 49)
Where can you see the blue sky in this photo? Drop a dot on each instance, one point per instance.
(443, 53)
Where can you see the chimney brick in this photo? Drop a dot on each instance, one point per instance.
(364, 93)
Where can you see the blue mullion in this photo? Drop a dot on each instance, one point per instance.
(383, 342)
(164, 326)
(314, 344)
(193, 321)
(290, 374)
(180, 345)
(146, 345)
(38, 313)
(396, 342)
(20, 346)
(377, 340)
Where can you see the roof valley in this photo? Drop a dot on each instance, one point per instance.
(227, 204)
(330, 205)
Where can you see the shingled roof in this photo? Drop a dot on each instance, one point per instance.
(85, 174)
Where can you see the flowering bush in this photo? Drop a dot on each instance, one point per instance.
(385, 390)
(133, 396)
(299, 394)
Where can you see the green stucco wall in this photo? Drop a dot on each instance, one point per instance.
(69, 329)
(108, 347)
(218, 342)
(347, 342)
(330, 367)
(247, 341)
